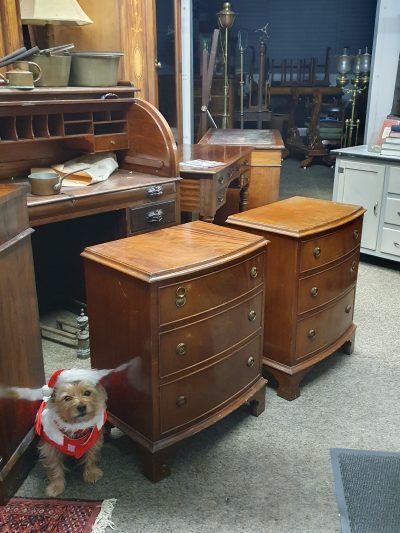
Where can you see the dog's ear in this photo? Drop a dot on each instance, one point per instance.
(101, 391)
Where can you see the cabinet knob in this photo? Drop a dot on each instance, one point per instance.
(317, 252)
(180, 297)
(252, 315)
(250, 362)
(356, 234)
(181, 348)
(253, 272)
(348, 308)
(311, 334)
(314, 291)
(353, 267)
(181, 401)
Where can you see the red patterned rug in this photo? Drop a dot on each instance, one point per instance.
(22, 515)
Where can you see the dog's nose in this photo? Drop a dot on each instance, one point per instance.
(81, 409)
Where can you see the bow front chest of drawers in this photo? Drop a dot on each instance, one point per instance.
(311, 277)
(183, 307)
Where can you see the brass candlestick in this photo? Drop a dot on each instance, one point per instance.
(226, 18)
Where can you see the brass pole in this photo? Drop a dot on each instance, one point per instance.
(225, 115)
(241, 89)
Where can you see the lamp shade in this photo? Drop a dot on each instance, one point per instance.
(41, 12)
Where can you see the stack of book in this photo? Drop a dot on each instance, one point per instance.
(391, 143)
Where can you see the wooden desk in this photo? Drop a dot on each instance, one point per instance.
(265, 160)
(204, 191)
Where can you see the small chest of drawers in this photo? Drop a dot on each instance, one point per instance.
(311, 277)
(184, 307)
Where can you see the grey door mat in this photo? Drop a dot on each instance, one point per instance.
(367, 485)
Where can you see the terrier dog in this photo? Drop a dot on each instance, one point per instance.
(70, 422)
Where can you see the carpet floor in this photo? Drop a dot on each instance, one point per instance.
(270, 474)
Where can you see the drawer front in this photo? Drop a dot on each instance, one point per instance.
(187, 399)
(113, 141)
(394, 180)
(392, 213)
(323, 287)
(194, 296)
(186, 346)
(390, 241)
(320, 330)
(151, 216)
(327, 248)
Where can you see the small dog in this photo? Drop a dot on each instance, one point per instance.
(70, 422)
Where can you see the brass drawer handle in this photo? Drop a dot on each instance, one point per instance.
(221, 180)
(155, 190)
(353, 266)
(311, 334)
(180, 297)
(253, 272)
(348, 308)
(181, 348)
(252, 315)
(314, 291)
(155, 216)
(250, 362)
(356, 234)
(317, 252)
(181, 401)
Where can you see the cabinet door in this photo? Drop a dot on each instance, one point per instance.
(362, 184)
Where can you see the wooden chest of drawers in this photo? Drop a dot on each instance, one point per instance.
(311, 277)
(184, 307)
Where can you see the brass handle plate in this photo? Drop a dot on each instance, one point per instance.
(250, 361)
(155, 190)
(180, 300)
(180, 348)
(317, 252)
(181, 401)
(154, 217)
(252, 315)
(353, 266)
(253, 272)
(314, 291)
(311, 334)
(356, 234)
(348, 308)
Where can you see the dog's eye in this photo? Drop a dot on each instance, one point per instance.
(87, 393)
(67, 398)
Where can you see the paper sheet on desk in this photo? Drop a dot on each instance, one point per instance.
(101, 167)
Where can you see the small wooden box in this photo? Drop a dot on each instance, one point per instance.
(184, 306)
(311, 277)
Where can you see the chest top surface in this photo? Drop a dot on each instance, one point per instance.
(298, 216)
(258, 139)
(184, 249)
(227, 155)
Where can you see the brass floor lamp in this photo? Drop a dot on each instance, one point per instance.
(226, 18)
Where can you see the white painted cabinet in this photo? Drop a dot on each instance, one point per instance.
(367, 179)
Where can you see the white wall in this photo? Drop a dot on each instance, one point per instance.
(385, 59)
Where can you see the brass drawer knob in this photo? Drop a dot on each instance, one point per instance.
(181, 348)
(250, 362)
(180, 401)
(353, 266)
(348, 308)
(317, 252)
(311, 334)
(356, 234)
(252, 315)
(314, 291)
(253, 272)
(180, 297)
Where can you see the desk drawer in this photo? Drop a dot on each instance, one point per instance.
(394, 180)
(112, 141)
(321, 329)
(327, 248)
(208, 292)
(392, 213)
(151, 216)
(390, 241)
(186, 346)
(327, 285)
(192, 397)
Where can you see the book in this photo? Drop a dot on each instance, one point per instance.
(390, 153)
(386, 129)
(394, 134)
(391, 141)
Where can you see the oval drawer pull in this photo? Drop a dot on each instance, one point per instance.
(250, 362)
(348, 308)
(155, 190)
(181, 401)
(252, 315)
(317, 252)
(314, 291)
(155, 216)
(353, 266)
(311, 334)
(356, 234)
(181, 348)
(253, 272)
(180, 297)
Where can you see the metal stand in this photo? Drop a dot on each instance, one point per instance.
(70, 334)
